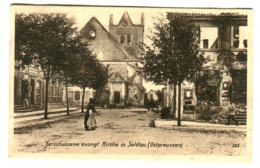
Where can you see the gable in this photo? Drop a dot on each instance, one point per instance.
(125, 20)
(116, 78)
(102, 42)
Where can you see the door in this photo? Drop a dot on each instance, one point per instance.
(116, 97)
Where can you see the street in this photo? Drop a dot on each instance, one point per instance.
(127, 131)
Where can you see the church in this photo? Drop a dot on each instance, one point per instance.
(118, 49)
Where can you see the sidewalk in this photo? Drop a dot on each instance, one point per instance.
(37, 117)
(160, 123)
(34, 118)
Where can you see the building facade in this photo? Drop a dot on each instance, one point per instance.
(29, 83)
(224, 41)
(117, 49)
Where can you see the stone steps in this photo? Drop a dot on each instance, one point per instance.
(241, 118)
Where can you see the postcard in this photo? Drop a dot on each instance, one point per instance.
(131, 83)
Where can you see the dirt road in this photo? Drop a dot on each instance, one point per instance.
(127, 132)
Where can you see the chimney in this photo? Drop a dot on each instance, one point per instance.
(111, 20)
(142, 18)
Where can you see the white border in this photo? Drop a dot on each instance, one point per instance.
(5, 39)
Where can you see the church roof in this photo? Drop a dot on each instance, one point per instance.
(90, 25)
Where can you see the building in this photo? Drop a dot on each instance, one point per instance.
(29, 82)
(152, 96)
(75, 95)
(224, 41)
(118, 49)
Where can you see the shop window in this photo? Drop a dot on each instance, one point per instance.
(209, 37)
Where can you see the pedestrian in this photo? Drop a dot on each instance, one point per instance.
(231, 114)
(26, 101)
(90, 121)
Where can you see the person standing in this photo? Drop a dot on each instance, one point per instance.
(90, 121)
(26, 101)
(231, 114)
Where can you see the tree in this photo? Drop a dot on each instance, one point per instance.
(39, 40)
(68, 65)
(160, 96)
(159, 61)
(101, 79)
(174, 55)
(89, 73)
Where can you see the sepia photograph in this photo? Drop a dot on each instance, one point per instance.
(139, 83)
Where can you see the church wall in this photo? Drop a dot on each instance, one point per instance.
(111, 52)
(103, 43)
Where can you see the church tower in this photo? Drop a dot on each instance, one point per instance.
(128, 34)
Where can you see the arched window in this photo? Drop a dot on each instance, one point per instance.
(122, 39)
(128, 39)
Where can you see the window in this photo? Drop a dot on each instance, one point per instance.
(92, 34)
(239, 36)
(53, 88)
(77, 95)
(122, 39)
(205, 43)
(209, 37)
(128, 39)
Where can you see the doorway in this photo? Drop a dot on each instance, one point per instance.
(116, 97)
